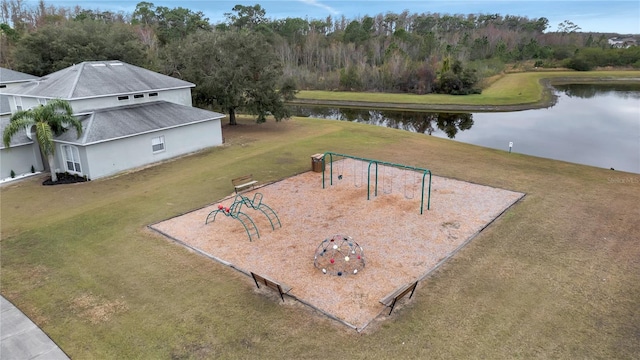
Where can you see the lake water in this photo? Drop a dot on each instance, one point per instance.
(596, 125)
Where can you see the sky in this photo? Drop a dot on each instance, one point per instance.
(615, 16)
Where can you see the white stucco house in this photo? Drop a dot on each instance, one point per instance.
(23, 154)
(131, 117)
(622, 42)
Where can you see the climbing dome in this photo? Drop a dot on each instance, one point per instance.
(339, 255)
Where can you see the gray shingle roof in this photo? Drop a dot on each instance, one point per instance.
(8, 76)
(124, 121)
(98, 78)
(11, 76)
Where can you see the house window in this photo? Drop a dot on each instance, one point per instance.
(138, 96)
(71, 158)
(153, 94)
(123, 97)
(18, 101)
(3, 86)
(157, 144)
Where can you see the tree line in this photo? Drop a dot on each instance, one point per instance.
(249, 53)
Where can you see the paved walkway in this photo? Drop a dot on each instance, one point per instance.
(21, 339)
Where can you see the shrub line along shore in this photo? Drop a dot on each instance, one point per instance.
(510, 92)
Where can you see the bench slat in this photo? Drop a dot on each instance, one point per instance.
(246, 184)
(391, 299)
(243, 182)
(280, 288)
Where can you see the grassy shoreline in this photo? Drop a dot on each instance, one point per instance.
(557, 276)
(511, 92)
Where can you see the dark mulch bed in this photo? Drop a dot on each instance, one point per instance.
(65, 178)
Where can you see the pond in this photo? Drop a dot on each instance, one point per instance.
(597, 125)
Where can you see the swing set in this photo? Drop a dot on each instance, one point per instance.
(409, 178)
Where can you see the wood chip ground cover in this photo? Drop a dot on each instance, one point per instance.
(400, 244)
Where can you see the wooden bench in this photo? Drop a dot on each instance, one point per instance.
(243, 182)
(391, 299)
(281, 289)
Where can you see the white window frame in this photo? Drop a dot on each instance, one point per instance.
(71, 158)
(18, 101)
(155, 142)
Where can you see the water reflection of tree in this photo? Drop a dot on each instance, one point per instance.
(427, 122)
(452, 123)
(357, 115)
(588, 91)
(420, 122)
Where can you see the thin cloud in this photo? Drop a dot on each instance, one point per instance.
(321, 5)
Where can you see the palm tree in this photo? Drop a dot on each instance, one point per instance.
(50, 120)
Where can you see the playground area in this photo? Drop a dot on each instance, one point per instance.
(303, 235)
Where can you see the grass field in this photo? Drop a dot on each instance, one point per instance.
(510, 89)
(558, 276)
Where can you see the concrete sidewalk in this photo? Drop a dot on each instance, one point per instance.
(22, 339)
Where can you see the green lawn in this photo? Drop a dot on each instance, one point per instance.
(558, 276)
(510, 89)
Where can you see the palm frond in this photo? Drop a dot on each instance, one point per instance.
(60, 105)
(50, 119)
(44, 135)
(19, 121)
(61, 115)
